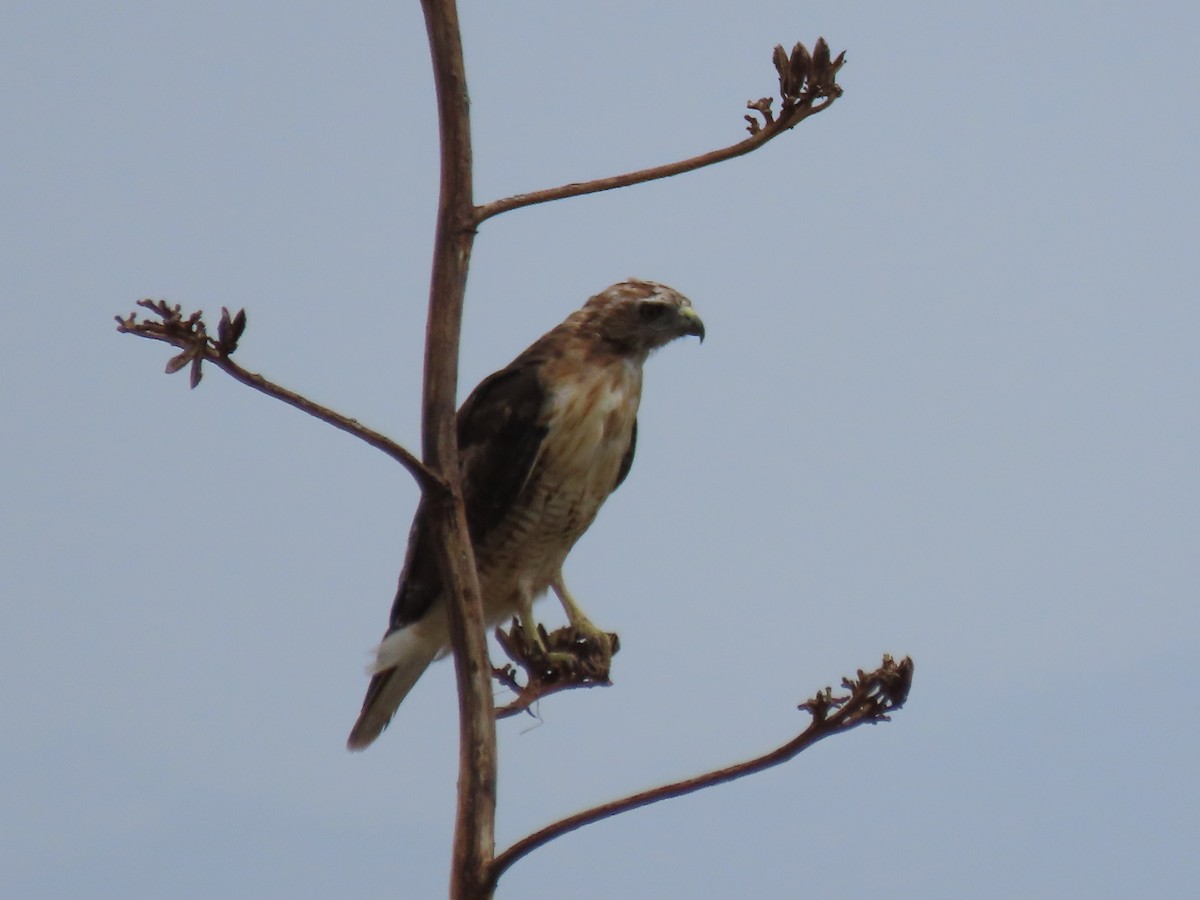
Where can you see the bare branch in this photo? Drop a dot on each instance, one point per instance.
(475, 816)
(808, 87)
(871, 697)
(190, 335)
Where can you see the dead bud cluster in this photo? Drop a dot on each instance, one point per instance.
(186, 332)
(872, 695)
(556, 661)
(804, 78)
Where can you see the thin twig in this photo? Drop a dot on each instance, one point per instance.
(821, 92)
(189, 334)
(579, 188)
(872, 695)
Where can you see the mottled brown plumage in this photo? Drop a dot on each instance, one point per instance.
(542, 443)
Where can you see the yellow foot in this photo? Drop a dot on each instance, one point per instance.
(586, 639)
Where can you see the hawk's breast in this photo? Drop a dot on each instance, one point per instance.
(589, 417)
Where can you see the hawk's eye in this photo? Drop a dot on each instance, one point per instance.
(652, 310)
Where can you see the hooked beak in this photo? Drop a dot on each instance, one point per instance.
(692, 323)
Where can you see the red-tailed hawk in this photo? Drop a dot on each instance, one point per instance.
(542, 443)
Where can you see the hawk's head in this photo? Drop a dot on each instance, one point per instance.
(635, 317)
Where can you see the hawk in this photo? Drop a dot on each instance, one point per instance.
(542, 443)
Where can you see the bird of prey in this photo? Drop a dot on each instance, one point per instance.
(542, 443)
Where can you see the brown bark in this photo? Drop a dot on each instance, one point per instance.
(474, 830)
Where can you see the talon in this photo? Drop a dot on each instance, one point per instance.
(533, 643)
(590, 649)
(591, 637)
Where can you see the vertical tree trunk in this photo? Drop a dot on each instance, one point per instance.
(474, 833)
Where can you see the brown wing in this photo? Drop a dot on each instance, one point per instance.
(627, 459)
(500, 430)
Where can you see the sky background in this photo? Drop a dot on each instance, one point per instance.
(947, 407)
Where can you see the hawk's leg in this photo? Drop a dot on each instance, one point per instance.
(580, 623)
(529, 626)
(576, 656)
(575, 615)
(565, 651)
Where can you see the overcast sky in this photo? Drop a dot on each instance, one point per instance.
(947, 407)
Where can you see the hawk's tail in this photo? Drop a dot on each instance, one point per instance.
(401, 659)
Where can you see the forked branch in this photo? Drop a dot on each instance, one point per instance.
(871, 696)
(807, 85)
(190, 335)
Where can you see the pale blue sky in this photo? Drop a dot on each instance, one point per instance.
(947, 407)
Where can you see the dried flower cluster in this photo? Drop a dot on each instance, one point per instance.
(558, 661)
(188, 332)
(804, 78)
